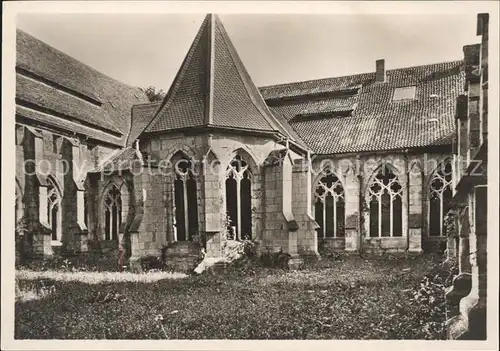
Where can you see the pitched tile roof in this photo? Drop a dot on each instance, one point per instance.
(54, 84)
(213, 88)
(377, 122)
(141, 116)
(123, 160)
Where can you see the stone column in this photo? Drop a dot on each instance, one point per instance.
(415, 189)
(352, 192)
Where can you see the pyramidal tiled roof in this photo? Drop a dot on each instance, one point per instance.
(212, 88)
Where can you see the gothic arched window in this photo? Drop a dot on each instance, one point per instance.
(239, 198)
(385, 201)
(186, 203)
(440, 194)
(112, 213)
(330, 207)
(54, 215)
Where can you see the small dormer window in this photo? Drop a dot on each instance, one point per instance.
(404, 93)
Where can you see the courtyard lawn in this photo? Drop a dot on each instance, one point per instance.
(350, 298)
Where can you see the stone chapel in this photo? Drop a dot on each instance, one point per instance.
(358, 163)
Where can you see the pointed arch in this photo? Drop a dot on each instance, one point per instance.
(54, 208)
(384, 196)
(211, 163)
(245, 154)
(382, 166)
(329, 204)
(440, 193)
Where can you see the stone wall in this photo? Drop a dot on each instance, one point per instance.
(42, 154)
(211, 155)
(355, 172)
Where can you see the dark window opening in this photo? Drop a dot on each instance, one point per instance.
(330, 207)
(112, 209)
(239, 199)
(179, 210)
(386, 208)
(186, 201)
(246, 207)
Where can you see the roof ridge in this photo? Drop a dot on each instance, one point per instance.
(358, 74)
(76, 60)
(178, 77)
(146, 103)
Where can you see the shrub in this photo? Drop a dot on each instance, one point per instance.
(20, 233)
(275, 259)
(151, 262)
(34, 290)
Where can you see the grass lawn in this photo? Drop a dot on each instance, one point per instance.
(351, 298)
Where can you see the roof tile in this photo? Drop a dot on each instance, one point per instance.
(50, 79)
(213, 88)
(377, 122)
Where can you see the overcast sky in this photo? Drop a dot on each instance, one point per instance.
(144, 49)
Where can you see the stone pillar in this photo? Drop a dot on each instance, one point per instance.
(352, 192)
(415, 205)
(464, 247)
(461, 284)
(451, 249)
(213, 183)
(74, 229)
(39, 231)
(301, 199)
(149, 215)
(278, 220)
(463, 131)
